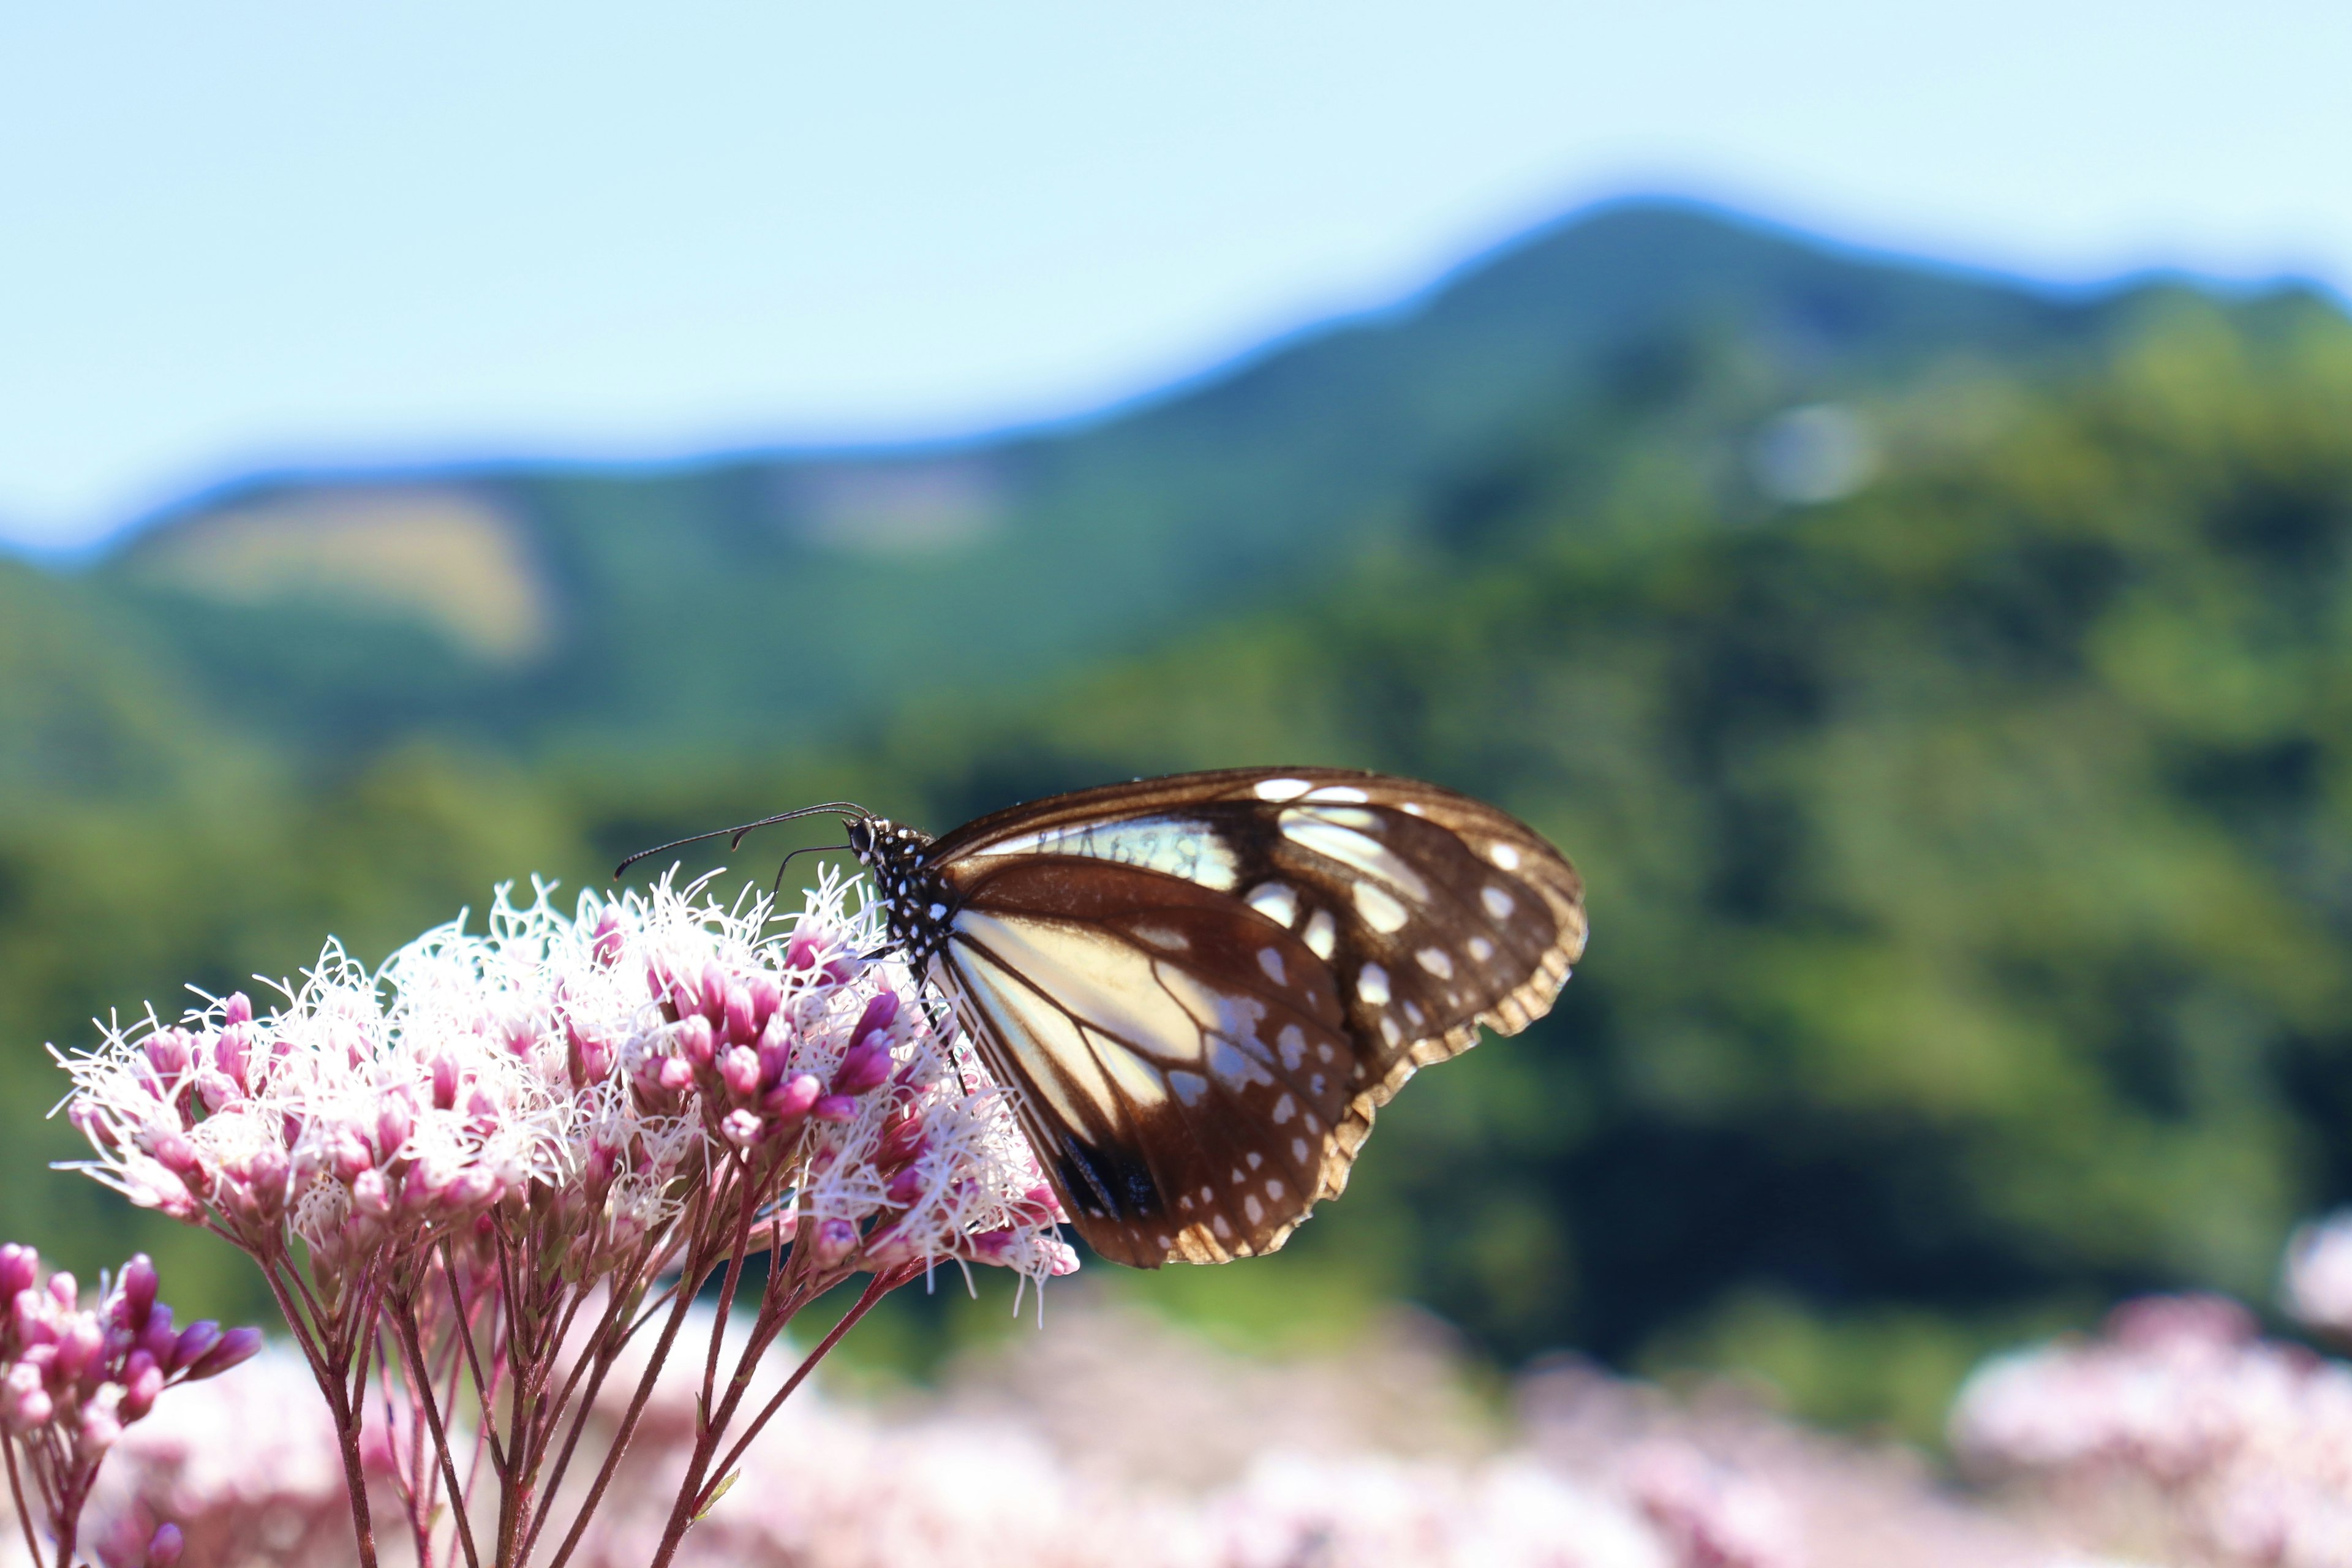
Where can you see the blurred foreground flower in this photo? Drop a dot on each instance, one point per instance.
(475, 1174)
(73, 1377)
(1015, 1463)
(2315, 1285)
(2178, 1431)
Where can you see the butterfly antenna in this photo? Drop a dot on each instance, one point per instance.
(734, 835)
(808, 849)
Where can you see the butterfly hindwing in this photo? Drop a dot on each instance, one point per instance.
(1105, 939)
(1185, 1066)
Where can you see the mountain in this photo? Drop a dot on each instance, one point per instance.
(727, 606)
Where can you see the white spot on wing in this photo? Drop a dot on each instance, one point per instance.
(1189, 1086)
(1274, 1189)
(1481, 949)
(1274, 901)
(1254, 1209)
(1380, 910)
(1506, 856)
(1298, 1150)
(1348, 793)
(1499, 903)
(1292, 1044)
(1372, 986)
(1256, 1159)
(1284, 1110)
(1389, 1030)
(1281, 789)
(1437, 961)
(1270, 960)
(1163, 938)
(1321, 934)
(1334, 833)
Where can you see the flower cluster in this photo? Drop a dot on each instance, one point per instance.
(72, 1377)
(2241, 1447)
(2316, 1286)
(490, 1163)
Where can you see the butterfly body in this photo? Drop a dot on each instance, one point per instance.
(1204, 986)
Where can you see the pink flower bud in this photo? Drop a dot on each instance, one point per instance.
(238, 1009)
(834, 1240)
(64, 1290)
(100, 1431)
(445, 1083)
(714, 993)
(696, 1042)
(138, 1288)
(78, 1347)
(471, 1188)
(167, 1051)
(174, 1152)
(395, 1118)
(765, 996)
(905, 1187)
(740, 1128)
(157, 1340)
(197, 1340)
(775, 1051)
(607, 943)
(348, 1152)
(736, 1014)
(834, 1108)
(143, 1380)
(793, 1098)
(881, 1012)
(483, 1113)
(371, 1196)
(738, 1070)
(20, 1266)
(164, 1547)
(265, 1175)
(229, 1052)
(843, 968)
(993, 1246)
(676, 1075)
(30, 1314)
(24, 1402)
(866, 1067)
(586, 1057)
(235, 1347)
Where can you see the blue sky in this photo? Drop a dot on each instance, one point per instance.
(239, 235)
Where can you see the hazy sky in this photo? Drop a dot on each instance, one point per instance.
(235, 235)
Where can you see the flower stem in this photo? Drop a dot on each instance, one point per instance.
(16, 1493)
(403, 1319)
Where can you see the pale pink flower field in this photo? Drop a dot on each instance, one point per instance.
(476, 1179)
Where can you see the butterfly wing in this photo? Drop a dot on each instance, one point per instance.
(1207, 984)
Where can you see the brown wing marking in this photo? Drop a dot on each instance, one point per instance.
(1184, 1064)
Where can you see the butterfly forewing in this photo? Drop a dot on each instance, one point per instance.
(1207, 984)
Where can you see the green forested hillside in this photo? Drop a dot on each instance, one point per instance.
(1967, 805)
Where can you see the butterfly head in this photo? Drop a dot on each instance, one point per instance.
(915, 899)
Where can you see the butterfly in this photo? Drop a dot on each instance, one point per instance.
(1204, 986)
